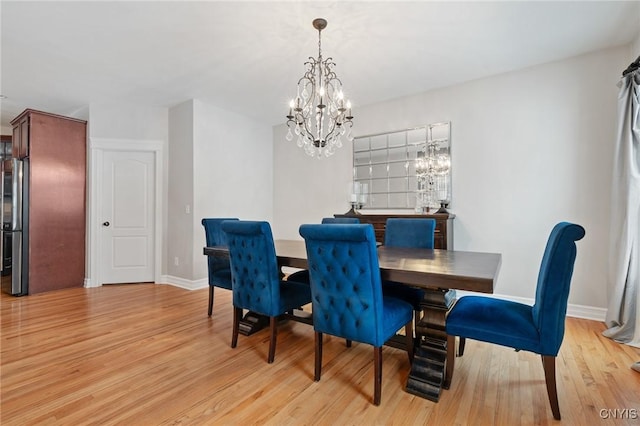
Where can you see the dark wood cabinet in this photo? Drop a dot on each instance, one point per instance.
(443, 238)
(6, 142)
(52, 149)
(20, 143)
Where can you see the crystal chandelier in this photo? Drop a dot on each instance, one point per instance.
(319, 115)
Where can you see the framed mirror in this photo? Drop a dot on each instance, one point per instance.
(405, 169)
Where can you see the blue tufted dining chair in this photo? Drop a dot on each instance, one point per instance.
(413, 233)
(302, 276)
(256, 280)
(538, 328)
(219, 269)
(347, 299)
(343, 220)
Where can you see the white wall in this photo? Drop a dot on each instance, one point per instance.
(180, 191)
(118, 121)
(307, 189)
(635, 44)
(530, 148)
(232, 172)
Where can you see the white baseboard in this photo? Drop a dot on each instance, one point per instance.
(168, 279)
(587, 312)
(182, 283)
(575, 311)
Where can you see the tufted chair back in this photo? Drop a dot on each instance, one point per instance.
(345, 281)
(219, 268)
(552, 290)
(254, 267)
(415, 233)
(214, 234)
(303, 275)
(347, 220)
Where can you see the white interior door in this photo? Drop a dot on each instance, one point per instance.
(127, 217)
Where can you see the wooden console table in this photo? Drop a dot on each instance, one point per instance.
(443, 236)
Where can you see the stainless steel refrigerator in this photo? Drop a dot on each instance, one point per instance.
(15, 227)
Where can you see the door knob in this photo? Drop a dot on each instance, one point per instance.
(106, 224)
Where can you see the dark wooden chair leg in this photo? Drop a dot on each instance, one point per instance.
(549, 364)
(461, 347)
(451, 359)
(348, 343)
(408, 332)
(318, 357)
(377, 380)
(237, 316)
(273, 325)
(210, 300)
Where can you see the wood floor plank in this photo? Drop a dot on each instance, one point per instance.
(149, 354)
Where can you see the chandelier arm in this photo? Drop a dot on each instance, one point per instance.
(331, 134)
(306, 131)
(301, 108)
(303, 78)
(328, 65)
(335, 86)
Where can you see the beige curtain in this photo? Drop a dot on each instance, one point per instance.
(623, 318)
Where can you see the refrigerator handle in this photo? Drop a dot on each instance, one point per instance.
(16, 200)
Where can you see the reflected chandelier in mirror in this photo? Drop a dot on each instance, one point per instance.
(405, 169)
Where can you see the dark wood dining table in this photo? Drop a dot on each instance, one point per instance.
(439, 273)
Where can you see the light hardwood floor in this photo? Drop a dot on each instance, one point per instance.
(144, 354)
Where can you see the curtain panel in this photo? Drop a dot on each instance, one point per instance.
(624, 252)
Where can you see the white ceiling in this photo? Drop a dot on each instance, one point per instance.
(247, 56)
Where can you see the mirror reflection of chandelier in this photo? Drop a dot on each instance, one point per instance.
(433, 164)
(319, 115)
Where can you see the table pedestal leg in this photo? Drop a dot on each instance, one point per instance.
(429, 362)
(252, 322)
